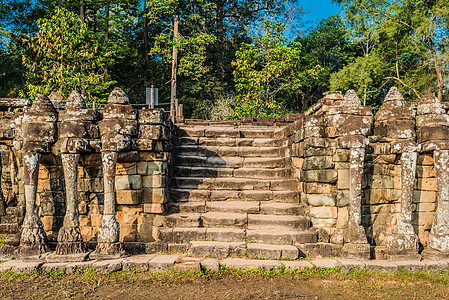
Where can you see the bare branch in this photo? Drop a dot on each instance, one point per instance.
(406, 85)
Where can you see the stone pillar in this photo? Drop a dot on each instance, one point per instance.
(70, 240)
(432, 124)
(395, 124)
(77, 132)
(439, 234)
(402, 244)
(33, 240)
(118, 127)
(39, 129)
(356, 244)
(350, 122)
(108, 234)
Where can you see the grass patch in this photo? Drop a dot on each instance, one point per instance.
(2, 240)
(226, 283)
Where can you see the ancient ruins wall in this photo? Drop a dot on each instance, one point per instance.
(322, 164)
(324, 148)
(140, 182)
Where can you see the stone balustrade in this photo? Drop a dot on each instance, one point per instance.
(372, 186)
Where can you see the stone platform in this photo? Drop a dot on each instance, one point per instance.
(182, 263)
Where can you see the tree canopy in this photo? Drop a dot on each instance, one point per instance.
(233, 53)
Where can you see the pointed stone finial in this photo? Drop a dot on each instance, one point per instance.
(430, 104)
(42, 104)
(394, 108)
(393, 94)
(351, 98)
(118, 96)
(432, 123)
(75, 101)
(333, 95)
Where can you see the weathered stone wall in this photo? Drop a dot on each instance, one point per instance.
(323, 169)
(320, 146)
(140, 182)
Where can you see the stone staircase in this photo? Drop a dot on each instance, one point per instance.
(233, 193)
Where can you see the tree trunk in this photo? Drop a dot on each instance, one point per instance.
(145, 32)
(174, 68)
(220, 39)
(106, 29)
(83, 20)
(439, 74)
(106, 22)
(435, 61)
(82, 12)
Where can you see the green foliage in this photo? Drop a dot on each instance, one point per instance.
(408, 44)
(2, 240)
(265, 72)
(364, 75)
(63, 57)
(196, 83)
(328, 49)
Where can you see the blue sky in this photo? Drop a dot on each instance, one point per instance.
(319, 9)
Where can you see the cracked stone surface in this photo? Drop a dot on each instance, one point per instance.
(395, 123)
(433, 135)
(77, 131)
(402, 244)
(33, 239)
(356, 125)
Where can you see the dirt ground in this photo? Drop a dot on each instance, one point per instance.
(226, 284)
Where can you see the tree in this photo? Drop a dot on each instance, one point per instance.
(63, 56)
(11, 79)
(234, 19)
(410, 37)
(328, 49)
(190, 45)
(365, 75)
(267, 72)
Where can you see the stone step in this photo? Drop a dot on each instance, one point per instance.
(212, 151)
(219, 219)
(251, 207)
(187, 207)
(240, 184)
(267, 251)
(185, 171)
(276, 237)
(276, 208)
(283, 237)
(216, 249)
(258, 133)
(238, 220)
(230, 142)
(185, 235)
(238, 142)
(203, 195)
(260, 173)
(225, 234)
(270, 163)
(238, 249)
(181, 234)
(276, 222)
(178, 195)
(183, 220)
(228, 132)
(232, 162)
